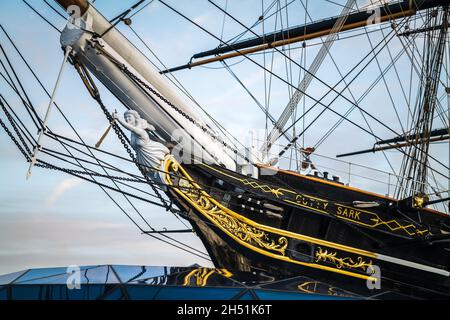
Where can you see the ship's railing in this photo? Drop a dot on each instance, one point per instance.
(355, 175)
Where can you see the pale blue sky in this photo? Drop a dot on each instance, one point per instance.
(56, 220)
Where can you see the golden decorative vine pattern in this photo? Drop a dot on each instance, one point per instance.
(201, 276)
(347, 262)
(236, 227)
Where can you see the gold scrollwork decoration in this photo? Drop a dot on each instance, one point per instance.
(201, 276)
(233, 225)
(347, 262)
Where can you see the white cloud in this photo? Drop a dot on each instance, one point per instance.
(61, 188)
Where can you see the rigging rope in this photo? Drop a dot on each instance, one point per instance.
(42, 17)
(93, 180)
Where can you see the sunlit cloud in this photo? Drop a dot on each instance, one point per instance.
(62, 188)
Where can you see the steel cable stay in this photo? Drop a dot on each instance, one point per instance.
(391, 99)
(309, 96)
(414, 63)
(42, 17)
(370, 88)
(431, 62)
(342, 118)
(348, 88)
(55, 10)
(308, 76)
(28, 106)
(305, 70)
(180, 86)
(260, 20)
(18, 122)
(327, 134)
(415, 67)
(280, 78)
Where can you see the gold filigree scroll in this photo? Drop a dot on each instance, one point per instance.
(234, 226)
(347, 262)
(201, 276)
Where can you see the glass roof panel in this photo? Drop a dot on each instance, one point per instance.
(7, 278)
(148, 273)
(103, 274)
(40, 275)
(95, 274)
(139, 274)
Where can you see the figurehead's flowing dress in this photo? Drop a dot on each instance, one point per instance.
(149, 153)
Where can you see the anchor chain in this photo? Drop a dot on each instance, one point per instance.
(132, 76)
(126, 142)
(22, 140)
(92, 89)
(184, 114)
(27, 157)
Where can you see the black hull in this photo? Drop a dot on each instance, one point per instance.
(392, 258)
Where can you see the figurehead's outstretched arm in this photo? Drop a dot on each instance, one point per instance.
(135, 129)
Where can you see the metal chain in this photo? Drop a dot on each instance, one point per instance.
(184, 114)
(96, 174)
(124, 68)
(27, 157)
(46, 165)
(12, 122)
(126, 142)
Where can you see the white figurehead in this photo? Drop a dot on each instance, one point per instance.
(149, 153)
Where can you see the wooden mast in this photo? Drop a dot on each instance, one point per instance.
(311, 31)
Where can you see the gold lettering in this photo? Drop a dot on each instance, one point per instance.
(345, 213)
(350, 213)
